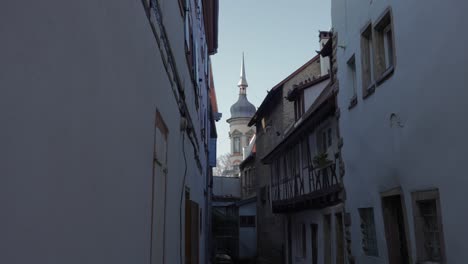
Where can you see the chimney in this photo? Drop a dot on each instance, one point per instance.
(324, 36)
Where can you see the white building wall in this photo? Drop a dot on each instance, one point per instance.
(81, 82)
(226, 186)
(428, 93)
(308, 218)
(248, 235)
(311, 94)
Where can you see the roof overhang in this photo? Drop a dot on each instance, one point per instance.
(276, 88)
(295, 91)
(244, 163)
(211, 16)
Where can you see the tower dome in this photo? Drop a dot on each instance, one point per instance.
(242, 108)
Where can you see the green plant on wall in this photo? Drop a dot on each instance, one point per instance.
(321, 160)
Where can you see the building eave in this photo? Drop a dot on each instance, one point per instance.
(277, 87)
(291, 94)
(211, 21)
(250, 158)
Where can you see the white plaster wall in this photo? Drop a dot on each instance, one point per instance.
(428, 92)
(248, 235)
(239, 124)
(80, 82)
(309, 217)
(225, 186)
(311, 93)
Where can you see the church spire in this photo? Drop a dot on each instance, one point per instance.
(243, 81)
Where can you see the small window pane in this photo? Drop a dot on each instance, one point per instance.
(329, 135)
(428, 212)
(236, 143)
(388, 44)
(369, 236)
(352, 75)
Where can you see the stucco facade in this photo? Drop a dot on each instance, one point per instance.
(88, 89)
(408, 136)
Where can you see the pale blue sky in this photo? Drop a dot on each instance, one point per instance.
(277, 37)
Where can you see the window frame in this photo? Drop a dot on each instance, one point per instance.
(299, 108)
(382, 25)
(352, 74)
(417, 197)
(324, 144)
(364, 212)
(236, 146)
(367, 60)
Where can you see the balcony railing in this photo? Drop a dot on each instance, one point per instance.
(314, 188)
(248, 190)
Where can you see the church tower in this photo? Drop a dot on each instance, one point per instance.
(241, 113)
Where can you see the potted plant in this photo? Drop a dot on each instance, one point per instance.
(321, 160)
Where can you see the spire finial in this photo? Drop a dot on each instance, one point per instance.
(243, 81)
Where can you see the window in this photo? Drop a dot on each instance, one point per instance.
(305, 153)
(299, 105)
(236, 145)
(369, 236)
(325, 139)
(428, 227)
(384, 47)
(367, 61)
(247, 221)
(352, 81)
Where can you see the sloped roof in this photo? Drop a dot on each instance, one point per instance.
(277, 88)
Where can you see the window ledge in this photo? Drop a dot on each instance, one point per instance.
(369, 91)
(352, 102)
(385, 75)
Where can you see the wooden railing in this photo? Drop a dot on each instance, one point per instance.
(312, 182)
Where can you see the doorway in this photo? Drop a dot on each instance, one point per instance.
(395, 229)
(313, 243)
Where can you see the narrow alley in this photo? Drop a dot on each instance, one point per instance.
(233, 132)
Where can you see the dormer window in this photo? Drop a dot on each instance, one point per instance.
(296, 95)
(299, 105)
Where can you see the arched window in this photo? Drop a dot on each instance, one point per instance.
(236, 144)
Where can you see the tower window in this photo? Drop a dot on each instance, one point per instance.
(236, 145)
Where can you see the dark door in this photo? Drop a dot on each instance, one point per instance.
(188, 231)
(192, 235)
(289, 239)
(313, 239)
(395, 230)
(340, 259)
